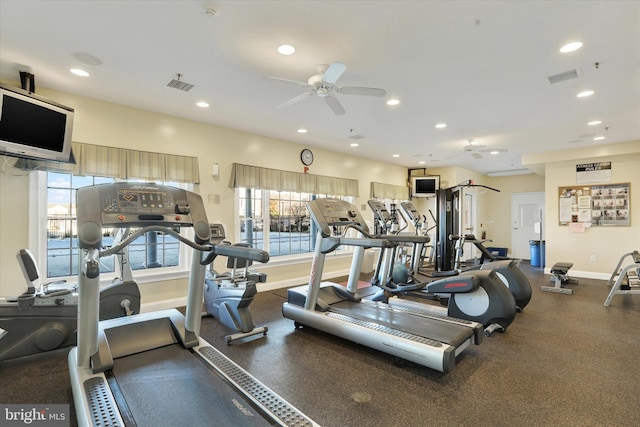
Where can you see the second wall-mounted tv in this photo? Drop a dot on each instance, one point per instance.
(33, 127)
(425, 186)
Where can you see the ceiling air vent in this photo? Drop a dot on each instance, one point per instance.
(567, 75)
(180, 85)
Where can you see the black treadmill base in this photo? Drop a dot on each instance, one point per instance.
(169, 386)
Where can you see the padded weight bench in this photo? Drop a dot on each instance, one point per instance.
(561, 278)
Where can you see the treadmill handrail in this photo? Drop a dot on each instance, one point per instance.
(124, 243)
(368, 242)
(407, 238)
(235, 251)
(330, 244)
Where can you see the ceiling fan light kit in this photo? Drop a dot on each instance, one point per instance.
(322, 85)
(475, 149)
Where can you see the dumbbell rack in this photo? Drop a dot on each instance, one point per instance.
(625, 280)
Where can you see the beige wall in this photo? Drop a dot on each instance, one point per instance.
(104, 123)
(497, 221)
(493, 208)
(608, 244)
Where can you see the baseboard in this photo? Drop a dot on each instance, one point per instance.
(165, 304)
(583, 274)
(262, 287)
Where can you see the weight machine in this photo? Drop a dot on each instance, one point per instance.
(450, 205)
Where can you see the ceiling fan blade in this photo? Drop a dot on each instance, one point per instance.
(335, 105)
(474, 148)
(366, 91)
(333, 73)
(296, 99)
(295, 82)
(476, 155)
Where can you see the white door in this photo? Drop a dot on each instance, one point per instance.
(527, 209)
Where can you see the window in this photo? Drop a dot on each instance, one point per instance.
(62, 242)
(60, 258)
(277, 221)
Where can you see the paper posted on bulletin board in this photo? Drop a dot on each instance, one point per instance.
(594, 205)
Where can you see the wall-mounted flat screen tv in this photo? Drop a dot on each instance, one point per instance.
(34, 128)
(425, 186)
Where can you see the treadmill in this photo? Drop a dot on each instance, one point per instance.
(412, 334)
(154, 369)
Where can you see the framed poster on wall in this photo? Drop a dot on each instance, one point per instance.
(595, 204)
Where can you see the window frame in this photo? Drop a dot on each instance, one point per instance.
(277, 260)
(37, 240)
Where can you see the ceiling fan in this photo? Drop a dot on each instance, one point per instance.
(323, 85)
(475, 149)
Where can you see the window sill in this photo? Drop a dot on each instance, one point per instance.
(300, 259)
(156, 275)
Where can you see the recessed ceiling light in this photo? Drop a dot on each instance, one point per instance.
(585, 93)
(570, 47)
(441, 125)
(202, 104)
(302, 131)
(393, 102)
(286, 49)
(595, 122)
(396, 155)
(354, 144)
(598, 138)
(421, 162)
(494, 152)
(79, 72)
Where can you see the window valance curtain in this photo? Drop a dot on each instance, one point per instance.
(100, 160)
(380, 190)
(247, 176)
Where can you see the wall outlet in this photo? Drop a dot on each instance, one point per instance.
(594, 258)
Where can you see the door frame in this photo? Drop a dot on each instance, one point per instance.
(541, 195)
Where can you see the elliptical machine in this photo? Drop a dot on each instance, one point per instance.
(506, 268)
(475, 295)
(45, 316)
(227, 296)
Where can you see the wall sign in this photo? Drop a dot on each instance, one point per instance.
(593, 172)
(595, 204)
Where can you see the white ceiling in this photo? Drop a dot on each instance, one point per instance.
(479, 66)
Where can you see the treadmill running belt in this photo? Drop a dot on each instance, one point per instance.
(436, 330)
(170, 386)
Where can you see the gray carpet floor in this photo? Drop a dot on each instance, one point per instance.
(566, 360)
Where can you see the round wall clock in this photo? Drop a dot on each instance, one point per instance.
(306, 156)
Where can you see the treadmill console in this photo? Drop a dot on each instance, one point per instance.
(217, 233)
(411, 211)
(328, 213)
(125, 204)
(380, 210)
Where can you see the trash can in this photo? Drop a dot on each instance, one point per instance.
(537, 258)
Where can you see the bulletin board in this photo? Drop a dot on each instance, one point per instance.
(595, 204)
